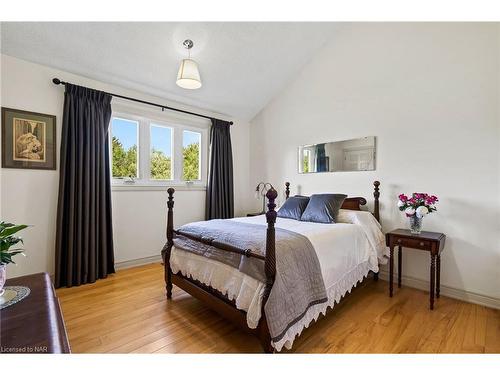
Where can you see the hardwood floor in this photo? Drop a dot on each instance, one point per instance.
(128, 312)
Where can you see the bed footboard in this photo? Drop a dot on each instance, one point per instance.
(213, 298)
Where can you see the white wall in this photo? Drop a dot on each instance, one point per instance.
(429, 93)
(30, 196)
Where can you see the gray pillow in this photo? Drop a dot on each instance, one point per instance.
(323, 208)
(293, 207)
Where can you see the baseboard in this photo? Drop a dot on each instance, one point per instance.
(130, 263)
(137, 262)
(447, 291)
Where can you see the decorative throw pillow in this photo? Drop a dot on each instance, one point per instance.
(323, 208)
(293, 207)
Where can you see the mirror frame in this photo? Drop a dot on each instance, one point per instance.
(300, 148)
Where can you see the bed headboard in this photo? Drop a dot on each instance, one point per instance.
(354, 203)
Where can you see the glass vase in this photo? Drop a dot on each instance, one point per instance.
(415, 224)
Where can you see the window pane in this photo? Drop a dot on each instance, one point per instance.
(191, 143)
(161, 153)
(124, 147)
(306, 161)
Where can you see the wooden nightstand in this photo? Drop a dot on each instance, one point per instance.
(255, 214)
(428, 241)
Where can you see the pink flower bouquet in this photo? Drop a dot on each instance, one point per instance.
(416, 207)
(420, 204)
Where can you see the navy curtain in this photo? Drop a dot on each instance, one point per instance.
(220, 195)
(84, 238)
(321, 159)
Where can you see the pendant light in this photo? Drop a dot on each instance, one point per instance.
(188, 76)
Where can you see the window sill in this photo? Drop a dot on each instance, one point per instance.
(143, 187)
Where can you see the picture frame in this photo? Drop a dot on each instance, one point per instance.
(28, 139)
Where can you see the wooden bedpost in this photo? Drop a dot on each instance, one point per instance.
(170, 241)
(376, 212)
(270, 269)
(287, 189)
(270, 263)
(376, 195)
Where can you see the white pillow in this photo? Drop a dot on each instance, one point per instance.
(357, 217)
(371, 227)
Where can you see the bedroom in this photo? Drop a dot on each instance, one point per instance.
(313, 135)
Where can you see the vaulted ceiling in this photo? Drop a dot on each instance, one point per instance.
(242, 65)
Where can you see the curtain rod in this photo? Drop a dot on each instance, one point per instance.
(57, 81)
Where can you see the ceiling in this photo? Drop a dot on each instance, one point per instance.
(242, 65)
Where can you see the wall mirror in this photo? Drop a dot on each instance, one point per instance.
(350, 155)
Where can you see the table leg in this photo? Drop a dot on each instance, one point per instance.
(438, 275)
(399, 265)
(433, 279)
(391, 269)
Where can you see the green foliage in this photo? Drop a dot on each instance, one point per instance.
(191, 166)
(124, 161)
(7, 240)
(305, 163)
(161, 166)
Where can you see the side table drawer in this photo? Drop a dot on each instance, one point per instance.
(413, 243)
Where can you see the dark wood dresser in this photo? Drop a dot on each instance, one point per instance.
(35, 324)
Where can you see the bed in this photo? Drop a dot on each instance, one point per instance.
(255, 288)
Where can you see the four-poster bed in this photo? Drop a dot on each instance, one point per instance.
(219, 301)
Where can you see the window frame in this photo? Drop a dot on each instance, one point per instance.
(145, 119)
(129, 119)
(160, 124)
(199, 158)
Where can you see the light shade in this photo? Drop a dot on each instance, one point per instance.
(188, 76)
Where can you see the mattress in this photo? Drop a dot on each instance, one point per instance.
(346, 251)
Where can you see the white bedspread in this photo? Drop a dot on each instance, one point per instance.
(347, 251)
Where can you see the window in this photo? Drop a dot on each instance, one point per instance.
(191, 144)
(306, 160)
(124, 148)
(161, 152)
(157, 152)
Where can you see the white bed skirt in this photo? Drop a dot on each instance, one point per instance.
(247, 292)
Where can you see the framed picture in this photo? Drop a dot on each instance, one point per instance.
(28, 139)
